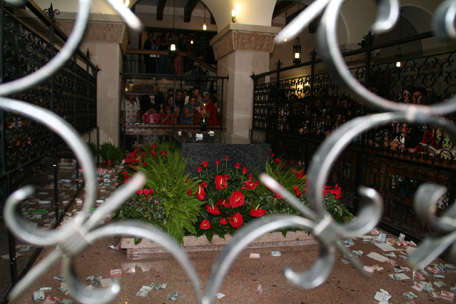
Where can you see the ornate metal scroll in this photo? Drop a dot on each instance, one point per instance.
(74, 237)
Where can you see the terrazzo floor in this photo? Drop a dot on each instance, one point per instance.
(344, 285)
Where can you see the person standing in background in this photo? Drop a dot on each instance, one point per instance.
(150, 60)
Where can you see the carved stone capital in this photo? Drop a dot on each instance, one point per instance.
(241, 37)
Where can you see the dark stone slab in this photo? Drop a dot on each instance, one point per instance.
(211, 148)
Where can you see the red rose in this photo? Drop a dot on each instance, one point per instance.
(200, 193)
(154, 146)
(163, 153)
(212, 209)
(199, 169)
(250, 176)
(154, 154)
(189, 192)
(217, 163)
(227, 158)
(257, 212)
(223, 221)
(237, 165)
(204, 184)
(244, 171)
(204, 164)
(146, 192)
(277, 160)
(205, 225)
(139, 191)
(220, 183)
(237, 199)
(226, 177)
(236, 220)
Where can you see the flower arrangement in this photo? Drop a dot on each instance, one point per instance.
(220, 203)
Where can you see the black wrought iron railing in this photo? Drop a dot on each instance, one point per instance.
(30, 152)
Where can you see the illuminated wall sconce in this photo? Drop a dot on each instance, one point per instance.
(233, 16)
(172, 48)
(297, 52)
(204, 26)
(191, 41)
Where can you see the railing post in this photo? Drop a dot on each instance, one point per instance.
(313, 56)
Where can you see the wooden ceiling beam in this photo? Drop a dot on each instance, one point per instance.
(282, 7)
(160, 8)
(189, 7)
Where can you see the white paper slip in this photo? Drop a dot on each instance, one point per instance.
(402, 276)
(385, 247)
(219, 295)
(377, 257)
(106, 282)
(254, 255)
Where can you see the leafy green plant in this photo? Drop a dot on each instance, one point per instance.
(168, 190)
(109, 151)
(92, 148)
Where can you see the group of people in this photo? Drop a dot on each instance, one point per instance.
(184, 108)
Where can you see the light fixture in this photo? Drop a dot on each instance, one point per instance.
(127, 2)
(399, 51)
(172, 46)
(307, 83)
(129, 86)
(191, 41)
(204, 24)
(233, 16)
(297, 51)
(285, 39)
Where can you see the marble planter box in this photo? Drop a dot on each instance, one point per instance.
(192, 243)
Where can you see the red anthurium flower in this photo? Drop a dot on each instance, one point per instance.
(151, 191)
(154, 154)
(154, 146)
(143, 154)
(227, 158)
(298, 193)
(187, 180)
(139, 191)
(145, 164)
(189, 192)
(205, 164)
(220, 183)
(249, 185)
(136, 151)
(223, 202)
(212, 209)
(146, 191)
(217, 163)
(272, 155)
(292, 170)
(284, 166)
(151, 150)
(257, 212)
(226, 177)
(244, 171)
(236, 220)
(237, 165)
(325, 192)
(250, 176)
(237, 199)
(204, 184)
(205, 225)
(200, 193)
(223, 221)
(277, 160)
(199, 169)
(164, 153)
(336, 191)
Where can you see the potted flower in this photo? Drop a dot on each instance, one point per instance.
(110, 153)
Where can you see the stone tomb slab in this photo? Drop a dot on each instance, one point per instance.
(211, 148)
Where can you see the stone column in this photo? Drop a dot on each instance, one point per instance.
(241, 50)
